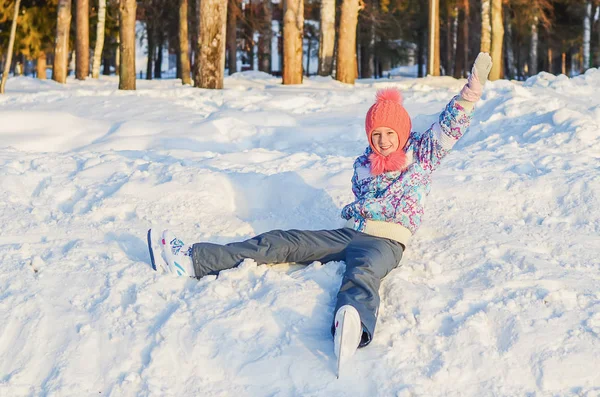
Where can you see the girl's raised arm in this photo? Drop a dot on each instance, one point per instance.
(431, 146)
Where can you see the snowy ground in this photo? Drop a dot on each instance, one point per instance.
(498, 293)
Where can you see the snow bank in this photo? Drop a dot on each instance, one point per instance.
(497, 294)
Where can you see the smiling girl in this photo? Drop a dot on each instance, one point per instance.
(390, 182)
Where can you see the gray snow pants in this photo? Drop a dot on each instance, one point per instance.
(368, 260)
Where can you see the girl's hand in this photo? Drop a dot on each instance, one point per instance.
(472, 91)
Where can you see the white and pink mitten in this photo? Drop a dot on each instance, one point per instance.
(472, 91)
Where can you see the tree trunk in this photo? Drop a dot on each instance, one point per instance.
(193, 34)
(265, 38)
(11, 43)
(211, 45)
(106, 66)
(510, 57)
(72, 61)
(41, 66)
(466, 37)
(293, 29)
(184, 45)
(367, 44)
(346, 56)
(462, 45)
(533, 49)
(433, 58)
(159, 58)
(371, 50)
(127, 47)
(151, 50)
(196, 50)
(99, 39)
(454, 43)
(497, 39)
(82, 38)
(597, 56)
(61, 48)
(587, 34)
(307, 69)
(248, 43)
(326, 37)
(232, 14)
(486, 27)
(118, 50)
(421, 53)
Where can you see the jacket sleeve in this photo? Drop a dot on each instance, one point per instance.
(435, 143)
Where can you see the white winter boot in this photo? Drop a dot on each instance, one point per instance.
(348, 332)
(178, 255)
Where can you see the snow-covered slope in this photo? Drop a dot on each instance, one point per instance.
(498, 294)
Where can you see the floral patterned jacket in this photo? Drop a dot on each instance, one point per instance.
(391, 204)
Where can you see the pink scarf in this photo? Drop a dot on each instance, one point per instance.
(395, 161)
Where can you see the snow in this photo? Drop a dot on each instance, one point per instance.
(498, 293)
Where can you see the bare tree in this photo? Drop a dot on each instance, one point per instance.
(211, 44)
(293, 29)
(486, 26)
(433, 61)
(127, 9)
(587, 34)
(510, 71)
(346, 70)
(40, 66)
(533, 49)
(326, 37)
(462, 45)
(597, 30)
(61, 47)
(82, 39)
(497, 39)
(99, 39)
(266, 36)
(11, 43)
(184, 45)
(232, 16)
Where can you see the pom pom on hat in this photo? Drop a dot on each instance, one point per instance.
(389, 94)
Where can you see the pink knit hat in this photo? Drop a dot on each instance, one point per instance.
(387, 111)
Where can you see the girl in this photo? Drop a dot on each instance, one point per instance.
(390, 182)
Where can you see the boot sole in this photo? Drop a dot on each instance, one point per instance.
(153, 263)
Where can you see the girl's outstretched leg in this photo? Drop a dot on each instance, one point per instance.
(276, 246)
(368, 260)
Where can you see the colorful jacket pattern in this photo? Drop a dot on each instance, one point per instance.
(398, 196)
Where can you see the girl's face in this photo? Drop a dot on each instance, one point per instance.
(384, 140)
